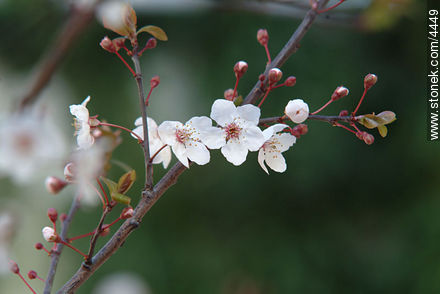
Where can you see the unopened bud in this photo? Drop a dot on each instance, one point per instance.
(290, 81)
(151, 43)
(119, 43)
(262, 77)
(262, 37)
(38, 246)
(154, 82)
(32, 275)
(127, 213)
(240, 69)
(339, 93)
(108, 45)
(229, 94)
(369, 81)
(49, 234)
(54, 185)
(360, 135)
(63, 217)
(343, 113)
(275, 75)
(13, 266)
(368, 138)
(52, 214)
(299, 130)
(105, 230)
(69, 172)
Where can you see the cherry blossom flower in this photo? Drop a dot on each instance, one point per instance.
(29, 143)
(7, 228)
(122, 282)
(82, 124)
(275, 144)
(164, 156)
(238, 132)
(49, 234)
(184, 139)
(297, 110)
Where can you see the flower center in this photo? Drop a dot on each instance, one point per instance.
(182, 135)
(232, 131)
(23, 143)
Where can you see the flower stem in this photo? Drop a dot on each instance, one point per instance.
(73, 248)
(324, 106)
(157, 152)
(126, 64)
(122, 128)
(27, 284)
(331, 7)
(269, 59)
(235, 88)
(265, 95)
(103, 191)
(360, 102)
(344, 127)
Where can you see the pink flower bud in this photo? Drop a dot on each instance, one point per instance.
(360, 135)
(13, 266)
(275, 75)
(154, 82)
(119, 43)
(368, 138)
(105, 230)
(151, 43)
(369, 81)
(240, 69)
(52, 213)
(108, 45)
(262, 37)
(69, 172)
(54, 185)
(228, 94)
(127, 213)
(38, 246)
(339, 93)
(49, 234)
(290, 81)
(299, 130)
(32, 275)
(343, 113)
(262, 77)
(63, 217)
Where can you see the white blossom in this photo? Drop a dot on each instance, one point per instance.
(29, 143)
(184, 139)
(82, 125)
(275, 144)
(297, 110)
(7, 229)
(238, 132)
(122, 282)
(49, 234)
(155, 143)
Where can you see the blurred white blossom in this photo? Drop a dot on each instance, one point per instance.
(28, 143)
(7, 228)
(82, 124)
(125, 283)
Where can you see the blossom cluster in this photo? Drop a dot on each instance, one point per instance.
(236, 133)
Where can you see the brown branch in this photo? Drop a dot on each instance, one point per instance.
(150, 197)
(291, 47)
(148, 200)
(96, 234)
(145, 144)
(330, 119)
(75, 25)
(55, 255)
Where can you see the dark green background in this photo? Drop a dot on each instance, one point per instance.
(344, 218)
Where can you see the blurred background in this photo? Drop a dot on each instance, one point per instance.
(344, 218)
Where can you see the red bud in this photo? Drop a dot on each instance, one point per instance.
(290, 81)
(228, 94)
(13, 266)
(151, 43)
(240, 69)
(275, 75)
(52, 214)
(38, 246)
(343, 113)
(108, 45)
(262, 37)
(32, 275)
(339, 93)
(154, 82)
(369, 81)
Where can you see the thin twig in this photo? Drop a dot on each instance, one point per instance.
(95, 236)
(326, 118)
(55, 255)
(145, 144)
(291, 47)
(75, 25)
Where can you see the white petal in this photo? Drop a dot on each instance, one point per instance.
(268, 133)
(279, 127)
(200, 122)
(167, 132)
(165, 156)
(180, 151)
(84, 139)
(285, 141)
(234, 152)
(276, 161)
(250, 113)
(138, 121)
(152, 126)
(253, 138)
(261, 157)
(223, 111)
(297, 110)
(87, 100)
(138, 131)
(198, 153)
(213, 138)
(80, 112)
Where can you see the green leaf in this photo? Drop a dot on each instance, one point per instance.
(383, 131)
(112, 186)
(126, 181)
(238, 100)
(124, 199)
(155, 31)
(367, 122)
(387, 116)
